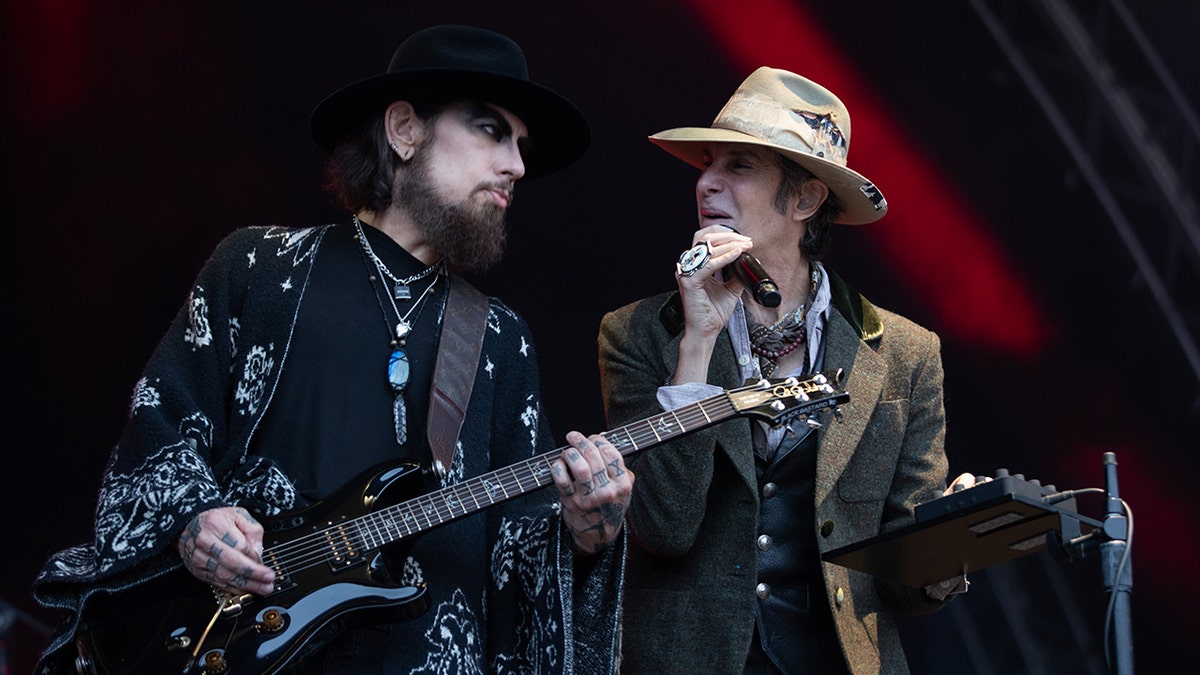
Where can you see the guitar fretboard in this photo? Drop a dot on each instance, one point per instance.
(436, 508)
(345, 543)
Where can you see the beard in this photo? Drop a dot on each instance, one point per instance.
(469, 236)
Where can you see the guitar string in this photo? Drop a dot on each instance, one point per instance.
(318, 547)
(323, 548)
(429, 504)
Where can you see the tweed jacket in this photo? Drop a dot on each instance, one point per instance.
(690, 579)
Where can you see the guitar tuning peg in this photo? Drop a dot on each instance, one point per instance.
(837, 414)
(812, 423)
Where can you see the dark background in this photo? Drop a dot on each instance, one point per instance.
(137, 135)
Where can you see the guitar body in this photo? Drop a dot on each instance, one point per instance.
(326, 579)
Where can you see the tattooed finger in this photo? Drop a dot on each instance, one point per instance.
(614, 468)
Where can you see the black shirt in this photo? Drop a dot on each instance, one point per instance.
(331, 415)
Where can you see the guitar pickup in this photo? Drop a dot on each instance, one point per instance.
(343, 552)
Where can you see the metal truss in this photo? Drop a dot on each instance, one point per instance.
(1131, 132)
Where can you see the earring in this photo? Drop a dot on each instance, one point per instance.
(404, 154)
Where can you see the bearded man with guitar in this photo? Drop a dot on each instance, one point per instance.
(245, 523)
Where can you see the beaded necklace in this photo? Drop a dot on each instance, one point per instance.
(785, 335)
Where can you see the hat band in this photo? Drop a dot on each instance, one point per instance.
(801, 131)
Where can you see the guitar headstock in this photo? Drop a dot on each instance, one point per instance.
(780, 401)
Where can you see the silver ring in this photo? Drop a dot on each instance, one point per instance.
(693, 259)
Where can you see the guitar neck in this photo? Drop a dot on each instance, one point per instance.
(461, 499)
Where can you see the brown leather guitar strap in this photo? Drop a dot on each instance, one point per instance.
(454, 370)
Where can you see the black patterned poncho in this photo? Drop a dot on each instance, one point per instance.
(504, 597)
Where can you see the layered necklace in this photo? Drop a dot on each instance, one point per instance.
(398, 365)
(771, 343)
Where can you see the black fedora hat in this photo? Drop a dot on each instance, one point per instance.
(461, 62)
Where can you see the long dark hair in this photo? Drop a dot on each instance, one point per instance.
(817, 235)
(360, 172)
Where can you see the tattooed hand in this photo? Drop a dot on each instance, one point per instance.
(594, 486)
(223, 547)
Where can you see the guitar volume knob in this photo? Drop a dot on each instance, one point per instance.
(272, 620)
(214, 663)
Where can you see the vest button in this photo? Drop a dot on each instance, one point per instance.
(838, 596)
(827, 528)
(764, 542)
(769, 490)
(763, 591)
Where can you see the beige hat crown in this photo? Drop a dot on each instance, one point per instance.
(796, 117)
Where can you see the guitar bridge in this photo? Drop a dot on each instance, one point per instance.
(234, 604)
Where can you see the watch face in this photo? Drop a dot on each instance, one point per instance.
(693, 259)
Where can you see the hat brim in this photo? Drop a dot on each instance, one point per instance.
(558, 131)
(689, 144)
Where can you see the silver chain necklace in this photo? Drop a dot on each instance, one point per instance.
(400, 289)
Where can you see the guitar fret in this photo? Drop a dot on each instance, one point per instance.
(630, 437)
(501, 484)
(386, 525)
(368, 538)
(411, 525)
(381, 523)
(651, 427)
(491, 488)
(452, 503)
(678, 422)
(422, 509)
(431, 512)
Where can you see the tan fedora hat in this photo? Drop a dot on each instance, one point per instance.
(797, 118)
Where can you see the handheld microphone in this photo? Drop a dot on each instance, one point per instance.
(750, 272)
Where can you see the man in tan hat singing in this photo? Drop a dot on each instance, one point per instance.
(727, 525)
(270, 486)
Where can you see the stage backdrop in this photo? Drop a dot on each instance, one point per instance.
(139, 134)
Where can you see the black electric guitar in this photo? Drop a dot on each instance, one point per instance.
(329, 566)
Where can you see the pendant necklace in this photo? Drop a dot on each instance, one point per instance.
(398, 365)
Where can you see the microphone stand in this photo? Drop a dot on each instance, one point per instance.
(1114, 538)
(1118, 574)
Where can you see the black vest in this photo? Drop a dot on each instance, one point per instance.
(794, 630)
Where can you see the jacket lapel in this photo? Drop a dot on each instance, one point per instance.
(865, 372)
